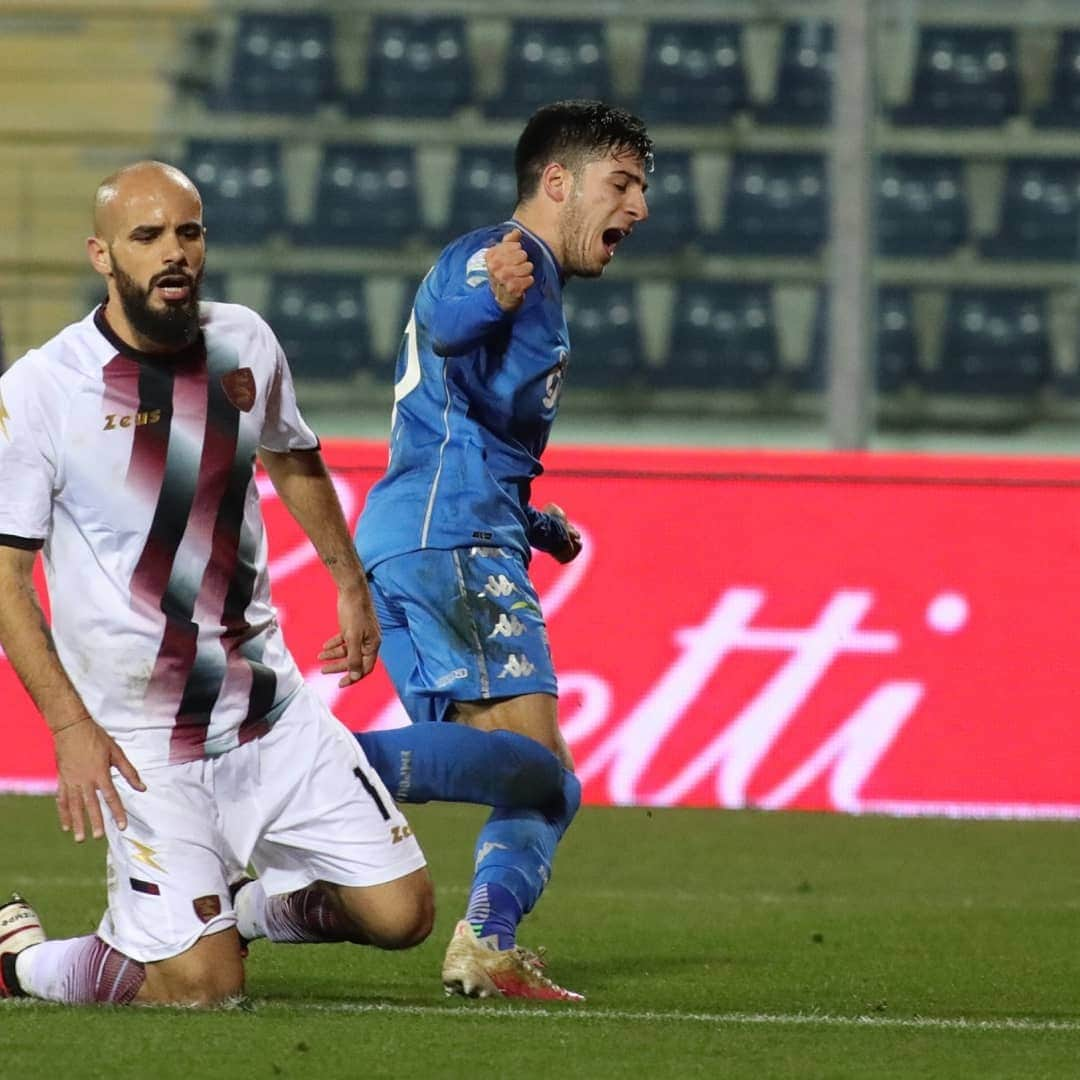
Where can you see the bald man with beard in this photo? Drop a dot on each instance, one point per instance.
(183, 730)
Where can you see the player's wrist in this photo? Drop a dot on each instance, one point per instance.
(69, 723)
(353, 586)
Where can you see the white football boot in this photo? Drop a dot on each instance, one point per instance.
(474, 968)
(20, 928)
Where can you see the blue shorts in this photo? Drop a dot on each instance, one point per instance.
(460, 625)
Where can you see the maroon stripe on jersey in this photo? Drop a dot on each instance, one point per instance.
(226, 474)
(214, 525)
(121, 398)
(163, 466)
(146, 473)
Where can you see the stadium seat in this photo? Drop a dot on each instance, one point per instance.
(551, 60)
(366, 197)
(723, 337)
(964, 77)
(605, 334)
(1040, 208)
(804, 83)
(673, 213)
(896, 353)
(922, 208)
(484, 190)
(321, 322)
(1063, 107)
(996, 343)
(693, 73)
(416, 66)
(776, 204)
(280, 64)
(242, 186)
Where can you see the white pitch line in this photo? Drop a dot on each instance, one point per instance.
(585, 1014)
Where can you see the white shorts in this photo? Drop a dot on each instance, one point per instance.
(300, 804)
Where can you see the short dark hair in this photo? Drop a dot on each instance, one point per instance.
(575, 133)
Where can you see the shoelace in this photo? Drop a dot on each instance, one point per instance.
(537, 959)
(535, 962)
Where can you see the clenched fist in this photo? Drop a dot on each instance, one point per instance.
(509, 271)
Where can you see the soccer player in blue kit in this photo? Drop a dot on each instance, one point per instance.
(446, 534)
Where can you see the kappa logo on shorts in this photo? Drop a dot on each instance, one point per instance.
(508, 626)
(498, 586)
(239, 387)
(206, 907)
(517, 667)
(482, 552)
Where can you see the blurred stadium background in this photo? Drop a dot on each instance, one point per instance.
(895, 266)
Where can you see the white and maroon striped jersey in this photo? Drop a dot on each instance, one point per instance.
(134, 472)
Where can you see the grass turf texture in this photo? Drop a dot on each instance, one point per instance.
(709, 944)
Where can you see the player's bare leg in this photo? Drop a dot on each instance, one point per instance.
(209, 973)
(86, 970)
(397, 914)
(534, 715)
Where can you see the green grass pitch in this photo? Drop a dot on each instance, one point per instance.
(709, 944)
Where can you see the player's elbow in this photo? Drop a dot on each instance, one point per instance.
(446, 347)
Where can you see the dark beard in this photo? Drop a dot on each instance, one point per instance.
(175, 326)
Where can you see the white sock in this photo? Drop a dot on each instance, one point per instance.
(78, 971)
(250, 904)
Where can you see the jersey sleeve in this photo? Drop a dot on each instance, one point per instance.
(29, 460)
(545, 532)
(284, 428)
(464, 312)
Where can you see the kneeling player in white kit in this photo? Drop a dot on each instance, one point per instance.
(127, 446)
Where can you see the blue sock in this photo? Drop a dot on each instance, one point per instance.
(494, 910)
(453, 763)
(514, 852)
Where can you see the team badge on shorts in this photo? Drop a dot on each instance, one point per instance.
(207, 907)
(239, 387)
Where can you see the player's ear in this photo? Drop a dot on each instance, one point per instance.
(555, 181)
(100, 258)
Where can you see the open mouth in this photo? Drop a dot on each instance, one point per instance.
(611, 239)
(173, 288)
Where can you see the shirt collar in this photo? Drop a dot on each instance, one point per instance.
(543, 247)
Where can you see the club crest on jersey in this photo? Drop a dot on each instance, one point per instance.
(239, 387)
(476, 271)
(206, 907)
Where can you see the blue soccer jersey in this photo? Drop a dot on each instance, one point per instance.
(476, 393)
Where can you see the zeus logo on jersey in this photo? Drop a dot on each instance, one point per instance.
(139, 419)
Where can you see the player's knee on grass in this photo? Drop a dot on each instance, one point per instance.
(396, 915)
(209, 973)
